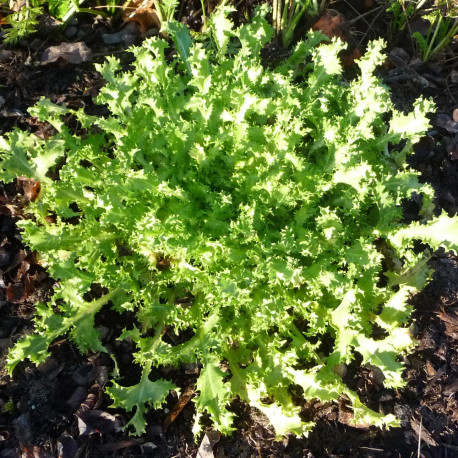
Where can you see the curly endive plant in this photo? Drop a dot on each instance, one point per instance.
(249, 206)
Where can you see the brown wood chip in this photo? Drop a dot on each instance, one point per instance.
(178, 407)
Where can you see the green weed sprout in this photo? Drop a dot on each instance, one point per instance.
(286, 15)
(403, 11)
(441, 32)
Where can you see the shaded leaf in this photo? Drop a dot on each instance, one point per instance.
(97, 421)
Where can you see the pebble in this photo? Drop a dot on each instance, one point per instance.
(112, 38)
(36, 43)
(127, 35)
(153, 32)
(5, 55)
(71, 32)
(454, 76)
(4, 257)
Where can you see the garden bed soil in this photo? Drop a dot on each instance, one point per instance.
(59, 408)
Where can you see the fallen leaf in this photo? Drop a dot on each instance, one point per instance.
(450, 321)
(147, 448)
(77, 397)
(455, 115)
(346, 415)
(142, 12)
(444, 121)
(74, 53)
(333, 24)
(66, 446)
(84, 375)
(429, 368)
(348, 58)
(208, 442)
(16, 293)
(185, 397)
(97, 421)
(88, 404)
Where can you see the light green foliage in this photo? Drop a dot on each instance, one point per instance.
(403, 11)
(287, 14)
(250, 206)
(443, 28)
(25, 21)
(442, 17)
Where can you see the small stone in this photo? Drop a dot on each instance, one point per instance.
(73, 21)
(454, 76)
(4, 257)
(416, 63)
(127, 35)
(131, 28)
(399, 57)
(153, 32)
(35, 44)
(71, 32)
(340, 369)
(147, 447)
(112, 38)
(74, 53)
(414, 329)
(5, 55)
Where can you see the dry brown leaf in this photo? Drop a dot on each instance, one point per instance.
(31, 188)
(430, 369)
(333, 24)
(16, 293)
(450, 321)
(142, 12)
(346, 415)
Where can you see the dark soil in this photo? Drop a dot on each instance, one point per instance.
(59, 408)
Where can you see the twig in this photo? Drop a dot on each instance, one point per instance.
(419, 438)
(370, 27)
(362, 16)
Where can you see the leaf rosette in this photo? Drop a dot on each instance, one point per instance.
(249, 206)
